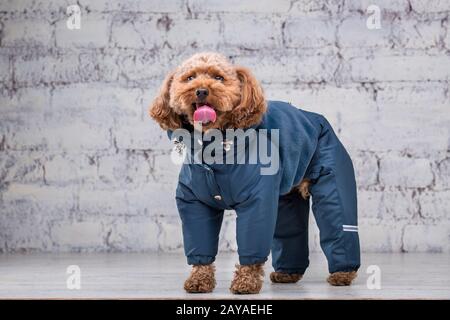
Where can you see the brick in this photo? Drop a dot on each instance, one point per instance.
(435, 205)
(76, 235)
(353, 33)
(155, 198)
(366, 169)
(245, 6)
(22, 231)
(342, 106)
(133, 234)
(70, 68)
(384, 237)
(370, 205)
(94, 201)
(37, 6)
(61, 137)
(446, 39)
(86, 5)
(100, 100)
(142, 135)
(309, 33)
(199, 34)
(22, 167)
(412, 98)
(171, 237)
(430, 6)
(133, 6)
(124, 168)
(116, 199)
(94, 33)
(131, 66)
(401, 6)
(262, 32)
(417, 35)
(426, 238)
(399, 205)
(32, 101)
(5, 70)
(386, 134)
(131, 31)
(69, 168)
(405, 172)
(38, 198)
(27, 33)
(164, 169)
(316, 8)
(420, 101)
(400, 68)
(443, 174)
(286, 68)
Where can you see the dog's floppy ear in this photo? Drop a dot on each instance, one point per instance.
(252, 105)
(160, 109)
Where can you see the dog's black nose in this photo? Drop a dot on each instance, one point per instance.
(201, 93)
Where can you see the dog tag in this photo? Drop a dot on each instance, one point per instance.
(227, 145)
(178, 152)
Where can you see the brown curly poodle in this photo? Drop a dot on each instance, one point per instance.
(238, 101)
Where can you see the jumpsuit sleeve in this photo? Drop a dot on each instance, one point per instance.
(201, 227)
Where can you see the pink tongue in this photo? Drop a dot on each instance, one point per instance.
(205, 114)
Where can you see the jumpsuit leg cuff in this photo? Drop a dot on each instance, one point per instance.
(291, 271)
(247, 260)
(203, 260)
(344, 269)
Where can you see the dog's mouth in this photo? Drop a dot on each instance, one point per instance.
(204, 113)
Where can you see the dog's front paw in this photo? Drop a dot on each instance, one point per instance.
(247, 279)
(281, 277)
(341, 278)
(201, 279)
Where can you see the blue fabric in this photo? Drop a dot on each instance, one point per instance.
(269, 216)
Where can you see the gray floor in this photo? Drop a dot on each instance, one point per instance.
(156, 276)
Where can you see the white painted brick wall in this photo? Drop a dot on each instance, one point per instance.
(309, 33)
(94, 33)
(83, 168)
(32, 32)
(261, 32)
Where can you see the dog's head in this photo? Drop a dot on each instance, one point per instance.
(209, 89)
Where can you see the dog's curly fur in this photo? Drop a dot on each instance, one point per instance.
(238, 99)
(281, 277)
(341, 278)
(201, 279)
(248, 279)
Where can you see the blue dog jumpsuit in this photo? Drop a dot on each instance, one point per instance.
(269, 215)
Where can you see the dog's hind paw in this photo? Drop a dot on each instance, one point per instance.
(341, 278)
(281, 277)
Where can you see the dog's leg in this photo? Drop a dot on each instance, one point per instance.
(341, 278)
(290, 243)
(303, 188)
(201, 279)
(247, 279)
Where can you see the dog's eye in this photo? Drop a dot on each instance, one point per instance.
(220, 78)
(190, 78)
